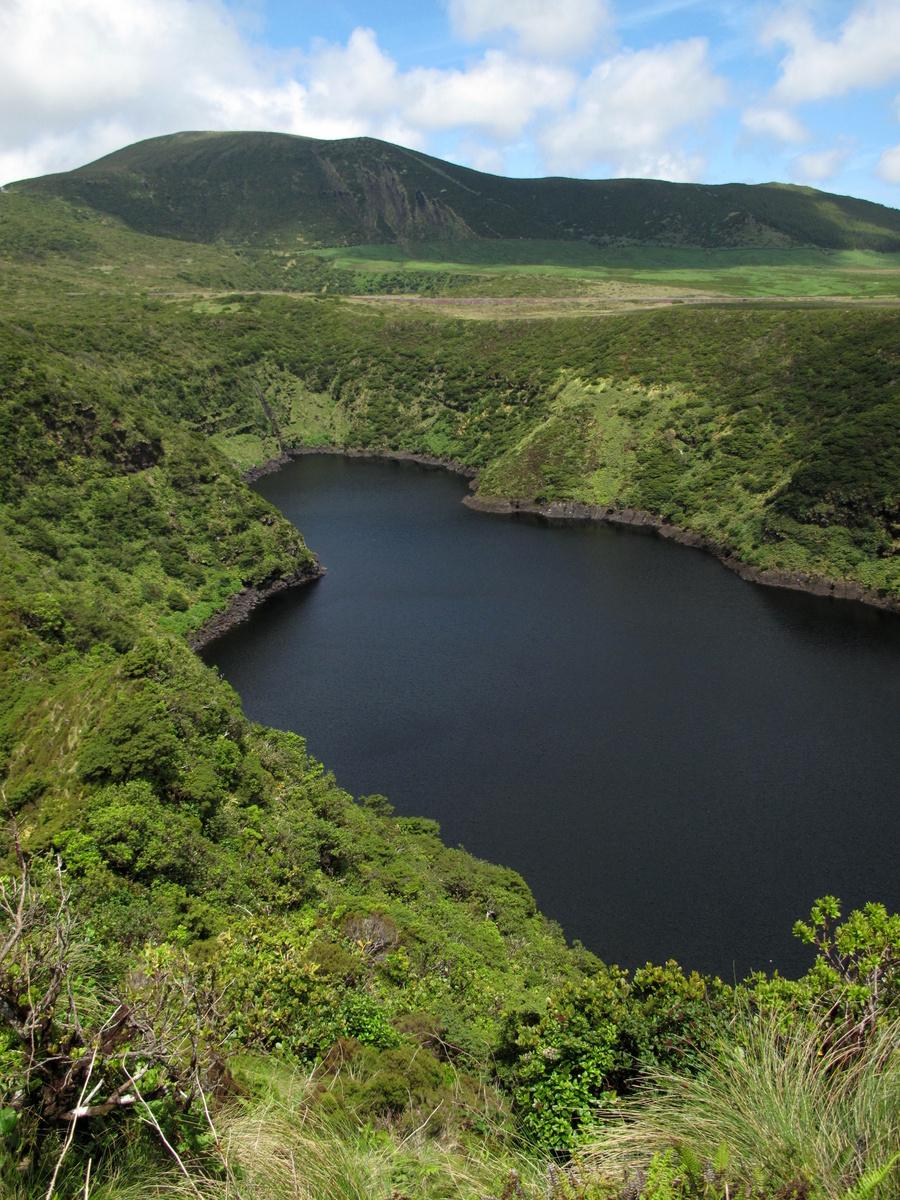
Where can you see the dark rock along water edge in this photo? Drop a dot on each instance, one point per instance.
(249, 599)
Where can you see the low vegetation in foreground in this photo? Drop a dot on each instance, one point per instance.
(221, 976)
(185, 1073)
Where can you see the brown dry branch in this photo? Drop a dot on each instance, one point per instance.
(83, 1051)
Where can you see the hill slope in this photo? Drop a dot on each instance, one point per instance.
(276, 188)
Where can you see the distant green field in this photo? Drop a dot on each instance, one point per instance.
(741, 272)
(49, 247)
(501, 253)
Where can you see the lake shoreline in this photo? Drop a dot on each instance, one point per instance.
(423, 460)
(576, 511)
(247, 600)
(243, 603)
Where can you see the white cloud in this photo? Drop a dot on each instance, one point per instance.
(550, 30)
(631, 109)
(499, 94)
(355, 78)
(62, 64)
(865, 52)
(819, 164)
(889, 165)
(481, 157)
(774, 122)
(80, 78)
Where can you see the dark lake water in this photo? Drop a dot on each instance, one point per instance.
(677, 761)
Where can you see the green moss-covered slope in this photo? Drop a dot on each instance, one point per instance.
(276, 188)
(774, 432)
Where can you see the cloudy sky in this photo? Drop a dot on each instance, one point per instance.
(708, 90)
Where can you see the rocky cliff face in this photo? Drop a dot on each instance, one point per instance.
(379, 201)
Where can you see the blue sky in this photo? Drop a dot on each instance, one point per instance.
(804, 90)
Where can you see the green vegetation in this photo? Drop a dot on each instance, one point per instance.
(220, 974)
(50, 244)
(580, 268)
(663, 1086)
(768, 1105)
(274, 189)
(773, 432)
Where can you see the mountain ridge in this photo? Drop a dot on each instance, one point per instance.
(293, 191)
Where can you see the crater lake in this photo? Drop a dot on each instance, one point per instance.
(678, 762)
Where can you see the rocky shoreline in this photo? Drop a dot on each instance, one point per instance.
(243, 603)
(248, 599)
(797, 581)
(423, 460)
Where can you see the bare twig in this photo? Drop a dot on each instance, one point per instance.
(71, 1134)
(151, 1120)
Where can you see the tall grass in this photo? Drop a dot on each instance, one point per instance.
(283, 1148)
(274, 1154)
(284, 1144)
(773, 1113)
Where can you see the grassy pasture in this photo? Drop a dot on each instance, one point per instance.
(50, 248)
(763, 272)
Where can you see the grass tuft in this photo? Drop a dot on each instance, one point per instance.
(774, 1113)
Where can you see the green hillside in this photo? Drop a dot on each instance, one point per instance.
(50, 246)
(277, 189)
(222, 976)
(202, 856)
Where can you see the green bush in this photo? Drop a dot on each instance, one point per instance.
(136, 738)
(141, 837)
